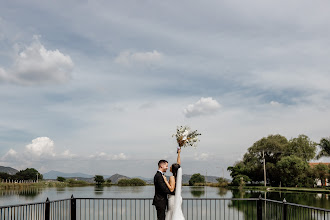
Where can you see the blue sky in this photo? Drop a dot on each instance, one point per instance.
(100, 86)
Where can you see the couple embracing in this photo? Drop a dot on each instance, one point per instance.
(168, 193)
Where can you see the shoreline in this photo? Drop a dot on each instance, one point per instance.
(284, 189)
(45, 184)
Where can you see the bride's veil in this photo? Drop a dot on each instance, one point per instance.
(177, 198)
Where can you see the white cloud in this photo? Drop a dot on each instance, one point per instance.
(204, 106)
(68, 154)
(41, 147)
(274, 103)
(105, 156)
(128, 58)
(11, 155)
(202, 156)
(37, 65)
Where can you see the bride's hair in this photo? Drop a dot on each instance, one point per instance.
(175, 168)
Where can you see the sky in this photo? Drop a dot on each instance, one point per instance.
(100, 87)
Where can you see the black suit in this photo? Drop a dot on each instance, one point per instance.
(160, 198)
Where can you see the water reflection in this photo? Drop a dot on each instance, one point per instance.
(26, 192)
(60, 190)
(24, 195)
(304, 198)
(197, 191)
(132, 189)
(222, 191)
(98, 190)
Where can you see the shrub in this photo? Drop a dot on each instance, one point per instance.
(196, 178)
(99, 179)
(222, 182)
(76, 182)
(60, 179)
(131, 182)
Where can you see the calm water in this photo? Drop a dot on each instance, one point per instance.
(29, 195)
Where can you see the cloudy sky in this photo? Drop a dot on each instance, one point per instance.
(100, 86)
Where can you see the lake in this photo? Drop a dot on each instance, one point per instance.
(31, 195)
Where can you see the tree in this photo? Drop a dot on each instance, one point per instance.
(99, 179)
(321, 172)
(28, 174)
(60, 179)
(273, 148)
(5, 176)
(222, 182)
(325, 148)
(302, 147)
(293, 170)
(237, 181)
(196, 178)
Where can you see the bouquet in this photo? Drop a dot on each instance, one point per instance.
(185, 137)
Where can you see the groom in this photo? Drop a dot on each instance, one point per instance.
(161, 190)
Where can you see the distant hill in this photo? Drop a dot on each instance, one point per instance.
(54, 174)
(147, 180)
(8, 170)
(116, 177)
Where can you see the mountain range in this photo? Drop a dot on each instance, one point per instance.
(8, 170)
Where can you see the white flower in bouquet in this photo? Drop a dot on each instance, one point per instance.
(185, 137)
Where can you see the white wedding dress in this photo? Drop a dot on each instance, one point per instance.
(174, 208)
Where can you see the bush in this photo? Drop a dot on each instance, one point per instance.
(131, 182)
(99, 179)
(240, 180)
(60, 179)
(28, 174)
(196, 178)
(222, 182)
(76, 182)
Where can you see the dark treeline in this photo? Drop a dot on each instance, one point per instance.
(286, 162)
(27, 174)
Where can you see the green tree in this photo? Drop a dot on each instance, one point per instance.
(301, 147)
(5, 176)
(28, 174)
(273, 148)
(196, 178)
(293, 170)
(321, 172)
(99, 179)
(60, 179)
(237, 180)
(222, 182)
(325, 148)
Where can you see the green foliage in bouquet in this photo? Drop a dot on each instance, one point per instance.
(185, 137)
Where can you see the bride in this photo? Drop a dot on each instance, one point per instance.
(174, 210)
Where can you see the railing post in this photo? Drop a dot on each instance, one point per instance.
(73, 208)
(47, 209)
(285, 209)
(259, 208)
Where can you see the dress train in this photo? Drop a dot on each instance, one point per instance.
(174, 210)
